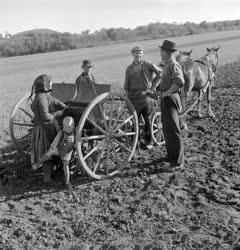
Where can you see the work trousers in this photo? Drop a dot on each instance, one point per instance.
(146, 113)
(143, 106)
(170, 109)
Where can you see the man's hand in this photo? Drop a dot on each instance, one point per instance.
(147, 91)
(154, 95)
(164, 94)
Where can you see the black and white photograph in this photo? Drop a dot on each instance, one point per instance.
(120, 125)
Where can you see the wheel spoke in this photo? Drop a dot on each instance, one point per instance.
(122, 145)
(99, 159)
(25, 112)
(100, 106)
(155, 131)
(23, 124)
(124, 122)
(108, 159)
(96, 125)
(123, 134)
(118, 116)
(93, 137)
(111, 114)
(93, 150)
(115, 152)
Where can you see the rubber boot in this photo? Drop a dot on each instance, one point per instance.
(66, 174)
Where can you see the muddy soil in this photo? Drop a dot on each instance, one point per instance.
(145, 207)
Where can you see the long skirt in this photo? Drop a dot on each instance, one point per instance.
(42, 137)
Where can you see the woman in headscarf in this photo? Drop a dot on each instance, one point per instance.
(46, 109)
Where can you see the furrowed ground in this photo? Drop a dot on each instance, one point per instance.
(144, 207)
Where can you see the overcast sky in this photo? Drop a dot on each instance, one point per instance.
(74, 16)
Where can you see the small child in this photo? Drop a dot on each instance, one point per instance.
(62, 145)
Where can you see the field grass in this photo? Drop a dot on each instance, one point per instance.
(18, 73)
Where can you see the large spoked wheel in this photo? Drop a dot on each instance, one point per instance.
(20, 125)
(156, 129)
(107, 135)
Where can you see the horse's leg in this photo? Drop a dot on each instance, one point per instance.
(200, 95)
(209, 100)
(183, 121)
(189, 82)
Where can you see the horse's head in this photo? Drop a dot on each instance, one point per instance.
(212, 55)
(183, 56)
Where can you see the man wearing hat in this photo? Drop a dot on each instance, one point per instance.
(169, 92)
(86, 77)
(139, 79)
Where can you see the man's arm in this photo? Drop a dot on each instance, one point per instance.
(156, 80)
(177, 80)
(173, 89)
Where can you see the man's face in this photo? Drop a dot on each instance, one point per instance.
(137, 55)
(86, 69)
(163, 54)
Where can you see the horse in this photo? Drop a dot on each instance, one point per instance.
(199, 76)
(183, 56)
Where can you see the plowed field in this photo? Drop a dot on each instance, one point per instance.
(144, 207)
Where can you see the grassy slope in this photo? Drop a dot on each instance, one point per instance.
(18, 73)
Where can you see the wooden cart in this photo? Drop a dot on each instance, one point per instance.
(107, 126)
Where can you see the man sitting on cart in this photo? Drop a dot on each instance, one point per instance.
(139, 79)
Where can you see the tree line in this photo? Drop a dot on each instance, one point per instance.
(34, 42)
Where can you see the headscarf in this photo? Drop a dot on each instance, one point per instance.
(41, 84)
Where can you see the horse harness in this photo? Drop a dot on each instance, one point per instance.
(212, 68)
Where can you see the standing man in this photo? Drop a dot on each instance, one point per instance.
(169, 92)
(86, 77)
(139, 79)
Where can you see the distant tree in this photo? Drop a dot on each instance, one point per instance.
(203, 25)
(9, 50)
(190, 28)
(7, 34)
(39, 42)
(112, 34)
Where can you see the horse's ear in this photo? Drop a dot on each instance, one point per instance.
(189, 53)
(217, 48)
(208, 50)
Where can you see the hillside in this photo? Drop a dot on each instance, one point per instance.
(45, 40)
(34, 31)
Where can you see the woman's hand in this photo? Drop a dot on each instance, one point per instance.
(58, 113)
